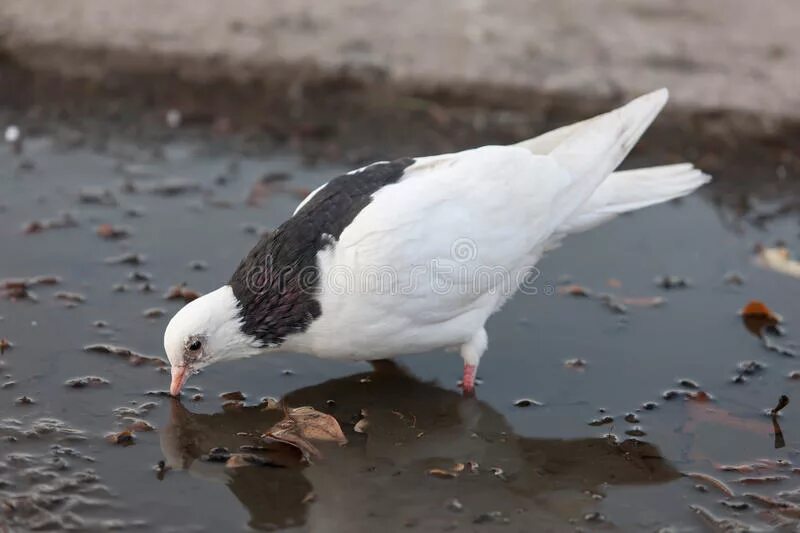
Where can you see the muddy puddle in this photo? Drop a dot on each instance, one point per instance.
(627, 394)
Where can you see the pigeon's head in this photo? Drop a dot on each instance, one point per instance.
(205, 331)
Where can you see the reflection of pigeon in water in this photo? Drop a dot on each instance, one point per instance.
(378, 481)
(415, 254)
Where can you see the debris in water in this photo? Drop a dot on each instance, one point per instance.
(493, 516)
(123, 438)
(699, 396)
(644, 301)
(772, 345)
(111, 232)
(594, 517)
(631, 418)
(264, 186)
(649, 406)
(64, 220)
(733, 278)
(72, 297)
(760, 480)
(735, 505)
(747, 368)
(5, 345)
(441, 473)
(161, 470)
(778, 259)
(455, 505)
(132, 357)
(197, 397)
(671, 282)
(137, 424)
(303, 425)
(362, 425)
(97, 196)
(128, 258)
(783, 401)
(577, 364)
(614, 283)
(181, 292)
(688, 384)
(174, 186)
(613, 303)
(635, 431)
(86, 381)
(25, 400)
(233, 396)
(602, 421)
(217, 455)
(198, 265)
(154, 312)
(711, 481)
(758, 309)
(574, 290)
(238, 460)
(527, 402)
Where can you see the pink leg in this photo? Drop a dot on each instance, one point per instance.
(468, 382)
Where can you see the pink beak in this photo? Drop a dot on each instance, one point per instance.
(179, 376)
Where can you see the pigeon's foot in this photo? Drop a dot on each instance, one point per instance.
(468, 381)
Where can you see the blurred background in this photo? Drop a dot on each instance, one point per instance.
(148, 144)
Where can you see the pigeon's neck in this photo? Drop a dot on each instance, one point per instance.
(276, 286)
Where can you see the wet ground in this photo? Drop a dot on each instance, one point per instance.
(605, 450)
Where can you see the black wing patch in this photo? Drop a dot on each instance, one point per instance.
(276, 282)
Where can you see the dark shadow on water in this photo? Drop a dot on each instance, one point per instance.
(380, 478)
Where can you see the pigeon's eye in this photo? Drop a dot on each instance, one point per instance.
(196, 345)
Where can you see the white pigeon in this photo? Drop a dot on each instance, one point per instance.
(415, 254)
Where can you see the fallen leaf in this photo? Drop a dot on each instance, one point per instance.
(442, 474)
(575, 290)
(303, 425)
(111, 232)
(181, 292)
(5, 344)
(778, 259)
(72, 297)
(123, 438)
(710, 480)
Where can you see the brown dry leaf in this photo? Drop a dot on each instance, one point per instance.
(758, 309)
(714, 482)
(123, 438)
(181, 292)
(778, 259)
(442, 474)
(303, 425)
(575, 290)
(5, 344)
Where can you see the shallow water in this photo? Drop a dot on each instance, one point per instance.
(558, 471)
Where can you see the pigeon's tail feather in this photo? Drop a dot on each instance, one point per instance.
(591, 150)
(630, 190)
